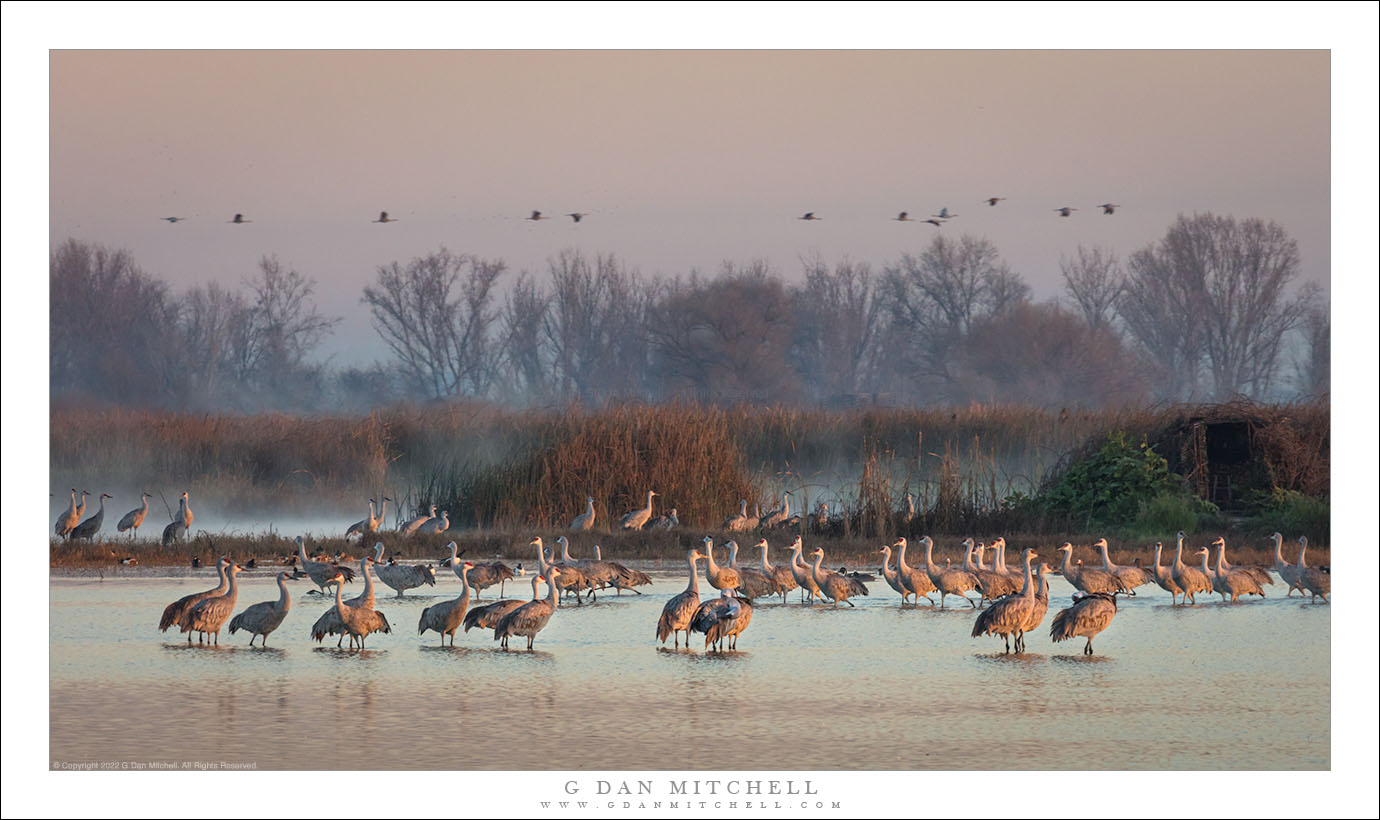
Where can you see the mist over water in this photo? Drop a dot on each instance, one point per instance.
(876, 687)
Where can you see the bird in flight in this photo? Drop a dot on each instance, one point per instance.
(1065, 211)
(536, 217)
(577, 216)
(944, 214)
(383, 217)
(993, 200)
(903, 216)
(172, 219)
(1108, 208)
(935, 222)
(240, 220)
(809, 216)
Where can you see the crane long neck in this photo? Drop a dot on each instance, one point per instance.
(378, 551)
(1279, 551)
(733, 553)
(887, 571)
(709, 557)
(598, 553)
(1068, 561)
(1158, 549)
(999, 556)
(1106, 561)
(221, 566)
(464, 573)
(1303, 546)
(766, 568)
(929, 557)
(565, 552)
(284, 600)
(1029, 589)
(1206, 571)
(1221, 558)
(302, 553)
(1179, 553)
(368, 578)
(339, 605)
(541, 566)
(901, 559)
(694, 585)
(234, 583)
(978, 551)
(1044, 584)
(552, 596)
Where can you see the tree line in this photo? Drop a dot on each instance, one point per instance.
(1210, 311)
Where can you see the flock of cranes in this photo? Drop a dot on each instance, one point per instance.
(1018, 598)
(72, 526)
(1108, 209)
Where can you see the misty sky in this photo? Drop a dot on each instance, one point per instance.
(682, 158)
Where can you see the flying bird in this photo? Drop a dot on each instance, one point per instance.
(383, 217)
(935, 222)
(536, 217)
(904, 216)
(173, 219)
(944, 214)
(240, 220)
(1108, 208)
(577, 216)
(993, 200)
(809, 216)
(1065, 211)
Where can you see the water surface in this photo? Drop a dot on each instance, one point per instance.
(876, 687)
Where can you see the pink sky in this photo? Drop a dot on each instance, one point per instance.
(682, 158)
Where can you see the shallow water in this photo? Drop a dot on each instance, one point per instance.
(876, 687)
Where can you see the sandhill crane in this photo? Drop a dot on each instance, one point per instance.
(908, 513)
(531, 617)
(1190, 580)
(993, 200)
(88, 528)
(809, 216)
(1108, 208)
(737, 523)
(944, 214)
(173, 219)
(718, 577)
(835, 586)
(938, 223)
(721, 619)
(174, 612)
(572, 579)
(414, 524)
(804, 576)
(916, 581)
(668, 521)
(577, 216)
(1008, 616)
(903, 216)
(240, 220)
(992, 583)
(782, 577)
(134, 519)
(1315, 580)
(1164, 576)
(1130, 577)
(1260, 574)
(403, 577)
(635, 519)
(322, 574)
(181, 524)
(584, 522)
(359, 622)
(676, 615)
(753, 583)
(893, 579)
(1037, 613)
(1065, 211)
(623, 578)
(367, 525)
(948, 581)
(1288, 572)
(1088, 579)
(819, 519)
(262, 618)
(447, 616)
(488, 616)
(383, 217)
(1233, 582)
(779, 515)
(70, 517)
(536, 217)
(329, 623)
(599, 573)
(208, 615)
(1088, 616)
(435, 524)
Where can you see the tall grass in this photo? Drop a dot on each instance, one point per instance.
(497, 468)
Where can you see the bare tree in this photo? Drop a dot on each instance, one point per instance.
(109, 327)
(435, 315)
(1094, 279)
(216, 328)
(725, 339)
(1214, 291)
(837, 328)
(1313, 371)
(593, 327)
(933, 300)
(284, 327)
(526, 359)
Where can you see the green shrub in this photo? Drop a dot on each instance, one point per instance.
(1293, 513)
(1109, 488)
(1171, 512)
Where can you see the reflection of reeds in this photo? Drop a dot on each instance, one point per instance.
(500, 468)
